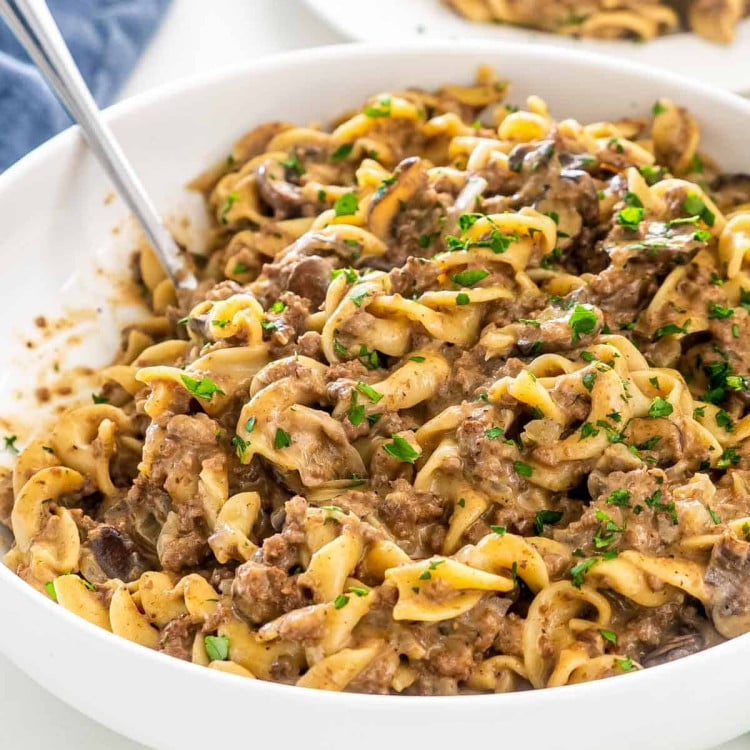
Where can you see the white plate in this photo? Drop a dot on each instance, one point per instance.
(723, 66)
(56, 228)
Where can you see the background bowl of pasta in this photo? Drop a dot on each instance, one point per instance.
(66, 248)
(708, 46)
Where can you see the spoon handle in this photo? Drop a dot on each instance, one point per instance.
(36, 30)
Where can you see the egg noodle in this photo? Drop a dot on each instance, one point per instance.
(715, 20)
(458, 406)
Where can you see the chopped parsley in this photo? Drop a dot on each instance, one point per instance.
(469, 277)
(357, 297)
(655, 502)
(647, 445)
(588, 380)
(494, 433)
(737, 382)
(282, 439)
(294, 164)
(202, 388)
(340, 601)
(652, 175)
(523, 469)
(49, 587)
(588, 430)
(626, 665)
(369, 391)
(606, 531)
(715, 517)
(630, 217)
(582, 321)
(342, 152)
(694, 206)
(217, 647)
(402, 449)
(545, 518)
(346, 205)
(226, 206)
(608, 635)
(728, 458)
(369, 359)
(579, 570)
(349, 273)
(467, 221)
(356, 412)
(497, 242)
(719, 312)
(240, 268)
(250, 424)
(462, 298)
(499, 530)
(241, 445)
(671, 328)
(660, 407)
(416, 358)
(97, 399)
(724, 420)
(619, 497)
(382, 110)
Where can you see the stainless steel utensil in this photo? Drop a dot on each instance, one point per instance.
(36, 30)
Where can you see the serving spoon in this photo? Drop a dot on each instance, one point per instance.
(36, 30)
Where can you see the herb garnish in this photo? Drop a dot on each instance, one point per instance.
(402, 449)
(202, 388)
(282, 439)
(346, 205)
(217, 647)
(545, 518)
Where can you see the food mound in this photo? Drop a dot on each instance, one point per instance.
(459, 405)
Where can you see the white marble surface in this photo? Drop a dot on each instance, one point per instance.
(197, 36)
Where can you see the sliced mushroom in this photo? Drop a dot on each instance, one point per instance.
(675, 648)
(114, 554)
(283, 197)
(728, 577)
(310, 278)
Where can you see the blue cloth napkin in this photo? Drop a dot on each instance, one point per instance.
(106, 38)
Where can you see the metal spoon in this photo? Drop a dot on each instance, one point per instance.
(36, 30)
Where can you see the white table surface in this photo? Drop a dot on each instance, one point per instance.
(197, 35)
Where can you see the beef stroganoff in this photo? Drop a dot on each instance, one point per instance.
(459, 406)
(715, 20)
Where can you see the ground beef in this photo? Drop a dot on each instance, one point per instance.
(261, 592)
(283, 550)
(408, 515)
(177, 638)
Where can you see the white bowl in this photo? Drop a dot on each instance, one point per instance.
(721, 65)
(56, 229)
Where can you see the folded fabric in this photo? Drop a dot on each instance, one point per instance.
(106, 38)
